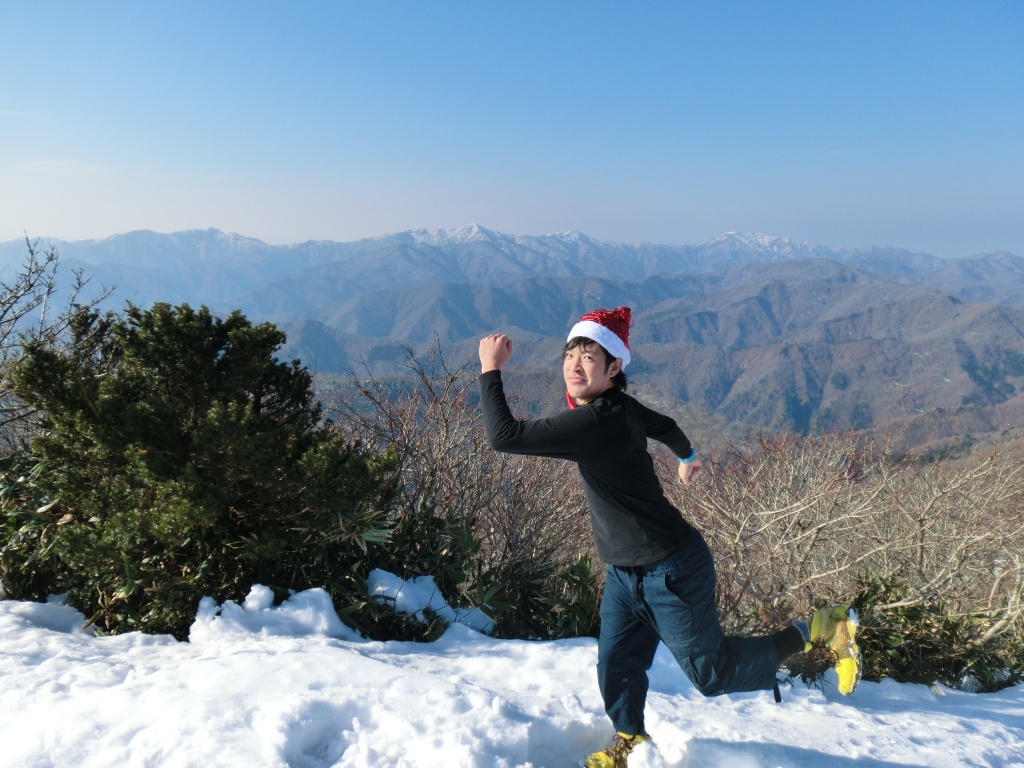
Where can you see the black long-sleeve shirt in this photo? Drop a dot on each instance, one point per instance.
(634, 524)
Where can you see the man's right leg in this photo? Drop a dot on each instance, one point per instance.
(680, 592)
(626, 650)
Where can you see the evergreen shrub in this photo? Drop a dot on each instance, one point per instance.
(927, 642)
(175, 457)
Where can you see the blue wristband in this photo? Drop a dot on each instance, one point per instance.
(688, 459)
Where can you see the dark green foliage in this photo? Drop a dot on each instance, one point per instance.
(525, 599)
(376, 618)
(425, 541)
(574, 599)
(924, 642)
(28, 565)
(543, 601)
(810, 668)
(185, 461)
(422, 542)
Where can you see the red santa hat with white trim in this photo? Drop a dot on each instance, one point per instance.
(609, 328)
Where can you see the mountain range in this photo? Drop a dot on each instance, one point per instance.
(748, 330)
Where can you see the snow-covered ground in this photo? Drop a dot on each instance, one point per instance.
(291, 686)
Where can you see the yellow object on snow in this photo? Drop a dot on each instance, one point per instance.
(615, 755)
(836, 628)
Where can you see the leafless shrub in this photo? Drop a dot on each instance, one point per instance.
(796, 521)
(524, 509)
(960, 533)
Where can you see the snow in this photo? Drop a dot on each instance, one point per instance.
(290, 685)
(466, 234)
(413, 596)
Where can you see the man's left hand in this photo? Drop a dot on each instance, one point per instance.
(689, 470)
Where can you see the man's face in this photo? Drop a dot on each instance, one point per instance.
(587, 373)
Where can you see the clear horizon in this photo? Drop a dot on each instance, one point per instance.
(845, 125)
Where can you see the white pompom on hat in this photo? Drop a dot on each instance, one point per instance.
(609, 328)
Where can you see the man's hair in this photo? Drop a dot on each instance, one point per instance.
(619, 379)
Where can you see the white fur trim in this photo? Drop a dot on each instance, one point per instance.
(606, 337)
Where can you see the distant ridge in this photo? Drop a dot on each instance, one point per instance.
(747, 329)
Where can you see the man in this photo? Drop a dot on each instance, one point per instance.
(660, 583)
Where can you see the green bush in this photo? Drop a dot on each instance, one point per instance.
(421, 542)
(28, 565)
(527, 599)
(558, 602)
(175, 457)
(182, 460)
(925, 642)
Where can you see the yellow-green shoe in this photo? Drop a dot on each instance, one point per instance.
(836, 628)
(615, 756)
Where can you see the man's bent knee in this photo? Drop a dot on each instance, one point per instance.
(710, 689)
(704, 676)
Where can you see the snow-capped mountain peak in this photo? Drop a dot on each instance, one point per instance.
(471, 233)
(772, 245)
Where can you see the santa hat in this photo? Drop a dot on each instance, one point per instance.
(609, 328)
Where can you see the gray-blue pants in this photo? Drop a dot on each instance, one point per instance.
(672, 601)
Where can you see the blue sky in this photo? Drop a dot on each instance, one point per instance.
(845, 123)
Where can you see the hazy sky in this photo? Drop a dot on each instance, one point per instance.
(845, 123)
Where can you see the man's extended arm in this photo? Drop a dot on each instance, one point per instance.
(541, 437)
